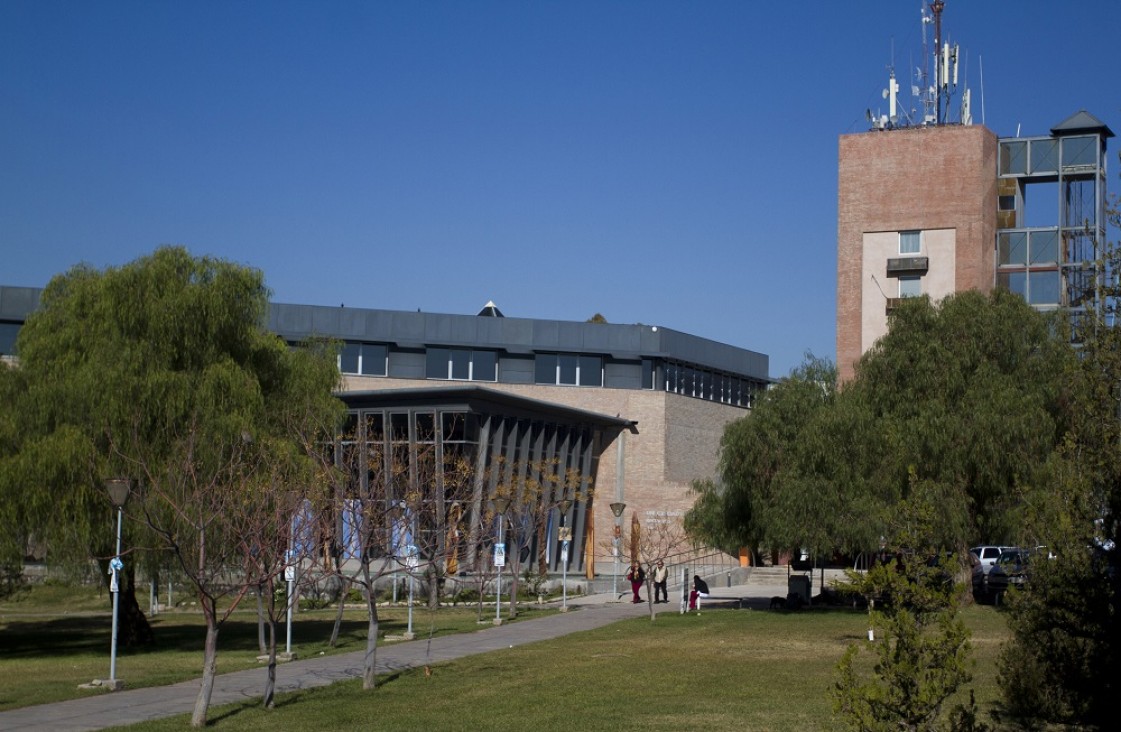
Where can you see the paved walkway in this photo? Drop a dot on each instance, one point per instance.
(137, 705)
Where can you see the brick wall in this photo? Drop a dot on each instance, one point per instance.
(921, 178)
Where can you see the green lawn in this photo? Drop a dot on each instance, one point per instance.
(724, 669)
(54, 638)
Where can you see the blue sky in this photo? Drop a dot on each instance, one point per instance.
(667, 163)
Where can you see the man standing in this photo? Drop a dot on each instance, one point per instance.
(661, 574)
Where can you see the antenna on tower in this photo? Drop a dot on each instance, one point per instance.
(931, 89)
(927, 89)
(981, 69)
(936, 9)
(891, 94)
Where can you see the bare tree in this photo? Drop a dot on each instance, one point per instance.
(661, 538)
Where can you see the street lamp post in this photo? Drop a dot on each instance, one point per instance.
(500, 506)
(617, 508)
(412, 561)
(565, 537)
(118, 493)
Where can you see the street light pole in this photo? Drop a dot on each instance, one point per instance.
(565, 536)
(118, 493)
(412, 560)
(500, 506)
(617, 509)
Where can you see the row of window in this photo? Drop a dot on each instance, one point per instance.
(567, 369)
(1036, 156)
(367, 359)
(710, 385)
(461, 364)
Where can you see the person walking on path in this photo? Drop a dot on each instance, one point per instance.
(637, 576)
(661, 574)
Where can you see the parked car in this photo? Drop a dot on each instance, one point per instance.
(1010, 570)
(977, 572)
(989, 554)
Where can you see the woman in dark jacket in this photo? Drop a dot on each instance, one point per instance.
(637, 576)
(700, 589)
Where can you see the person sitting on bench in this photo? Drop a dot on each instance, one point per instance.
(700, 589)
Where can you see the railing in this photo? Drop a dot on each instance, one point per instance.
(706, 562)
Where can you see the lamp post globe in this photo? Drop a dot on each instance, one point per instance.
(617, 509)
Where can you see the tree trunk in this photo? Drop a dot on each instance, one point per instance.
(133, 630)
(513, 563)
(650, 593)
(269, 699)
(369, 664)
(262, 645)
(339, 612)
(481, 585)
(209, 666)
(433, 576)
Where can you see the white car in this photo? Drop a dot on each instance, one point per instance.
(988, 555)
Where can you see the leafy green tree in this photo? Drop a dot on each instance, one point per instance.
(965, 397)
(15, 528)
(1065, 630)
(922, 655)
(755, 456)
(161, 371)
(1065, 626)
(970, 394)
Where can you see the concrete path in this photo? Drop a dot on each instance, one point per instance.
(130, 706)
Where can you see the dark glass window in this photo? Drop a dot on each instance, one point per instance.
(484, 366)
(374, 356)
(375, 427)
(647, 373)
(348, 359)
(425, 427)
(363, 358)
(8, 333)
(399, 426)
(566, 371)
(591, 371)
(436, 363)
(460, 364)
(454, 426)
(545, 368)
